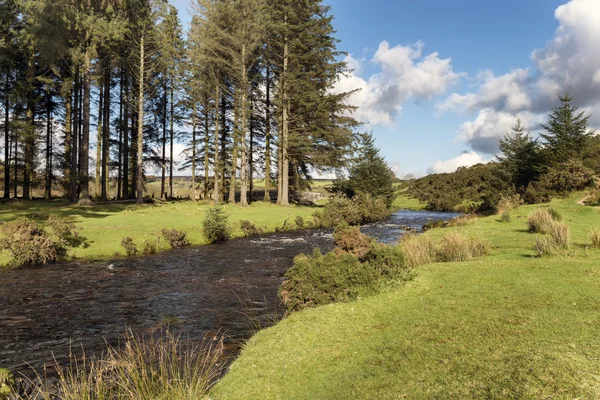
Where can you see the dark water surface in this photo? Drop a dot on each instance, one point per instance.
(46, 311)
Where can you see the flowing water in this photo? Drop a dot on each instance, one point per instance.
(47, 311)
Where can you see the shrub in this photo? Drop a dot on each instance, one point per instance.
(322, 279)
(350, 240)
(540, 221)
(595, 237)
(456, 247)
(372, 209)
(593, 198)
(567, 177)
(249, 229)
(339, 210)
(535, 194)
(28, 243)
(299, 222)
(216, 225)
(149, 248)
(506, 216)
(129, 246)
(418, 250)
(177, 239)
(65, 230)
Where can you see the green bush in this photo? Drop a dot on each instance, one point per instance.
(360, 209)
(149, 248)
(28, 244)
(342, 276)
(535, 194)
(177, 239)
(249, 229)
(351, 240)
(65, 230)
(216, 225)
(299, 222)
(129, 246)
(567, 177)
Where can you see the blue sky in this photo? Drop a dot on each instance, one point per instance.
(442, 80)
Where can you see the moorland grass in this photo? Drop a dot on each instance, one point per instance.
(509, 325)
(104, 226)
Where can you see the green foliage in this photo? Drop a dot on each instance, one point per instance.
(28, 243)
(7, 380)
(300, 222)
(215, 226)
(150, 247)
(360, 209)
(567, 177)
(129, 246)
(520, 157)
(177, 239)
(250, 229)
(65, 230)
(351, 240)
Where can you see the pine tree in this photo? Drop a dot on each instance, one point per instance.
(567, 133)
(520, 157)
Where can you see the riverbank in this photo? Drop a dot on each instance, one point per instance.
(104, 226)
(510, 325)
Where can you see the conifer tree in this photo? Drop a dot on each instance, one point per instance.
(520, 156)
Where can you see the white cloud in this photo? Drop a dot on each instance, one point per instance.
(569, 61)
(405, 74)
(464, 160)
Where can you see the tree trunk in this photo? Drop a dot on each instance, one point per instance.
(16, 157)
(194, 149)
(125, 194)
(216, 189)
(30, 134)
(84, 153)
(68, 124)
(106, 135)
(163, 194)
(234, 155)
(206, 148)
(7, 135)
(172, 133)
(120, 154)
(284, 171)
(268, 138)
(48, 188)
(140, 135)
(99, 139)
(242, 134)
(74, 147)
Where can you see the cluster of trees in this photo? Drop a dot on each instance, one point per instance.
(248, 90)
(564, 158)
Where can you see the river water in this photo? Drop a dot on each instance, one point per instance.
(47, 311)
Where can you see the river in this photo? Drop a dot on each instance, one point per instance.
(45, 311)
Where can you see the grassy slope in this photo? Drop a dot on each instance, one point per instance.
(105, 225)
(507, 326)
(403, 202)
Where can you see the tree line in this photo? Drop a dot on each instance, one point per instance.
(248, 90)
(563, 158)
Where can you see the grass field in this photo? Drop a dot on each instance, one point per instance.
(105, 225)
(509, 326)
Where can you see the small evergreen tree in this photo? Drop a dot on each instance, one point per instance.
(520, 157)
(567, 133)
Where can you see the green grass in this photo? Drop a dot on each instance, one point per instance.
(105, 225)
(508, 326)
(403, 202)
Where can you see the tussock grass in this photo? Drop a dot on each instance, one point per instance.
(463, 220)
(594, 235)
(161, 369)
(540, 221)
(455, 247)
(506, 216)
(418, 249)
(556, 240)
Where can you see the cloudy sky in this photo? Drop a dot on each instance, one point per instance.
(442, 80)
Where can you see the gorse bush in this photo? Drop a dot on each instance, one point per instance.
(249, 229)
(299, 222)
(341, 276)
(567, 177)
(28, 243)
(65, 230)
(150, 248)
(215, 226)
(359, 209)
(129, 246)
(177, 239)
(349, 239)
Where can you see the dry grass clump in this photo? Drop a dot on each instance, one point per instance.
(452, 247)
(556, 240)
(161, 369)
(509, 203)
(463, 220)
(455, 247)
(505, 216)
(418, 250)
(595, 237)
(540, 221)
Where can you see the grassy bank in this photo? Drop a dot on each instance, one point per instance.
(507, 326)
(105, 225)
